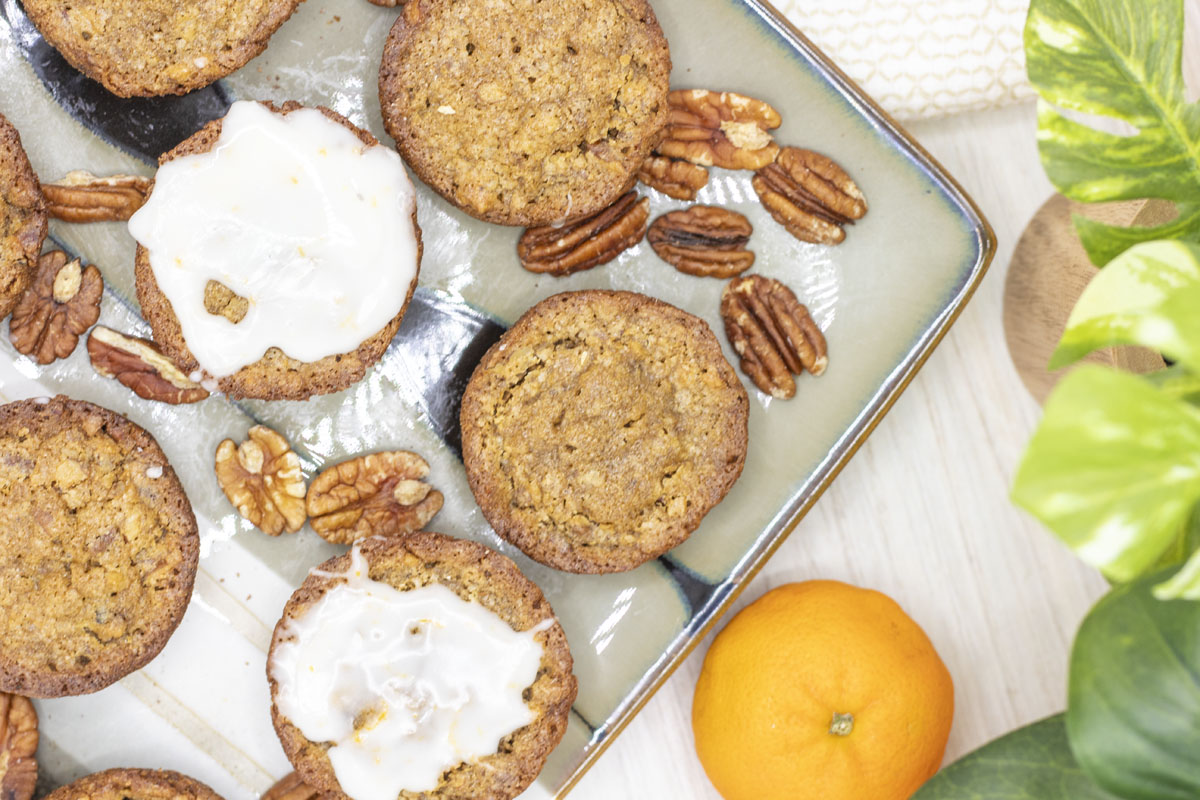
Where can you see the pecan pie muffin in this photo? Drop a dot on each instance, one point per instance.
(22, 219)
(419, 666)
(601, 428)
(272, 373)
(98, 547)
(522, 112)
(137, 48)
(134, 784)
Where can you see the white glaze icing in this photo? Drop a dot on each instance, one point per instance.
(432, 680)
(293, 213)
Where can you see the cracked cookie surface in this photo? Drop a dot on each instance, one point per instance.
(134, 784)
(23, 219)
(98, 547)
(601, 428)
(142, 49)
(524, 112)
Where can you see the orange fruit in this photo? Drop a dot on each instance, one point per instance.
(822, 690)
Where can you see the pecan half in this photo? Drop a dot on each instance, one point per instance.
(80, 196)
(262, 479)
(222, 301)
(289, 787)
(587, 242)
(62, 303)
(703, 240)
(673, 177)
(380, 493)
(140, 365)
(773, 333)
(720, 129)
(810, 195)
(384, 4)
(18, 744)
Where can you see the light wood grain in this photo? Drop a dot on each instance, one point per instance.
(922, 512)
(1048, 273)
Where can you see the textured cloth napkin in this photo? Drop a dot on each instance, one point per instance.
(922, 58)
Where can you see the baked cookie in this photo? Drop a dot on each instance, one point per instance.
(134, 784)
(323, 305)
(521, 112)
(22, 219)
(601, 428)
(474, 668)
(137, 48)
(98, 547)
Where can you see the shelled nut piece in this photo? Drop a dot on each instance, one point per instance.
(810, 195)
(376, 494)
(18, 744)
(140, 365)
(588, 242)
(705, 241)
(222, 301)
(62, 303)
(773, 333)
(720, 129)
(80, 196)
(673, 177)
(290, 786)
(262, 479)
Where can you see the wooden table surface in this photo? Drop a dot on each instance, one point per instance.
(922, 511)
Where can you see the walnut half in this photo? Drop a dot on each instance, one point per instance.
(18, 744)
(376, 494)
(262, 479)
(62, 303)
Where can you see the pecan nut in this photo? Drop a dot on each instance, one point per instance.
(810, 195)
(588, 242)
(289, 787)
(82, 197)
(18, 744)
(375, 494)
(673, 177)
(62, 303)
(705, 241)
(140, 365)
(772, 332)
(262, 479)
(720, 129)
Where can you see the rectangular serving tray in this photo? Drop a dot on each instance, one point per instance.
(885, 298)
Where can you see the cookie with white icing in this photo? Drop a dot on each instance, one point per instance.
(277, 252)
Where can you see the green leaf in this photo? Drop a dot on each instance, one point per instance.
(1133, 713)
(1149, 295)
(1105, 242)
(1113, 469)
(1031, 763)
(1120, 59)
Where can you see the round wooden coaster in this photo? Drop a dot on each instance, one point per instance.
(1048, 272)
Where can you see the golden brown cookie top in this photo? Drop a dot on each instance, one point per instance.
(134, 784)
(276, 376)
(22, 218)
(98, 547)
(522, 112)
(477, 574)
(601, 428)
(143, 48)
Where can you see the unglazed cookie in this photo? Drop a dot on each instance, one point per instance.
(22, 219)
(297, 275)
(523, 112)
(419, 666)
(601, 428)
(98, 547)
(134, 784)
(142, 48)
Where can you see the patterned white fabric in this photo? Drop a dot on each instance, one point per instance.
(922, 58)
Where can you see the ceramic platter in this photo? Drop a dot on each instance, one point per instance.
(884, 298)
